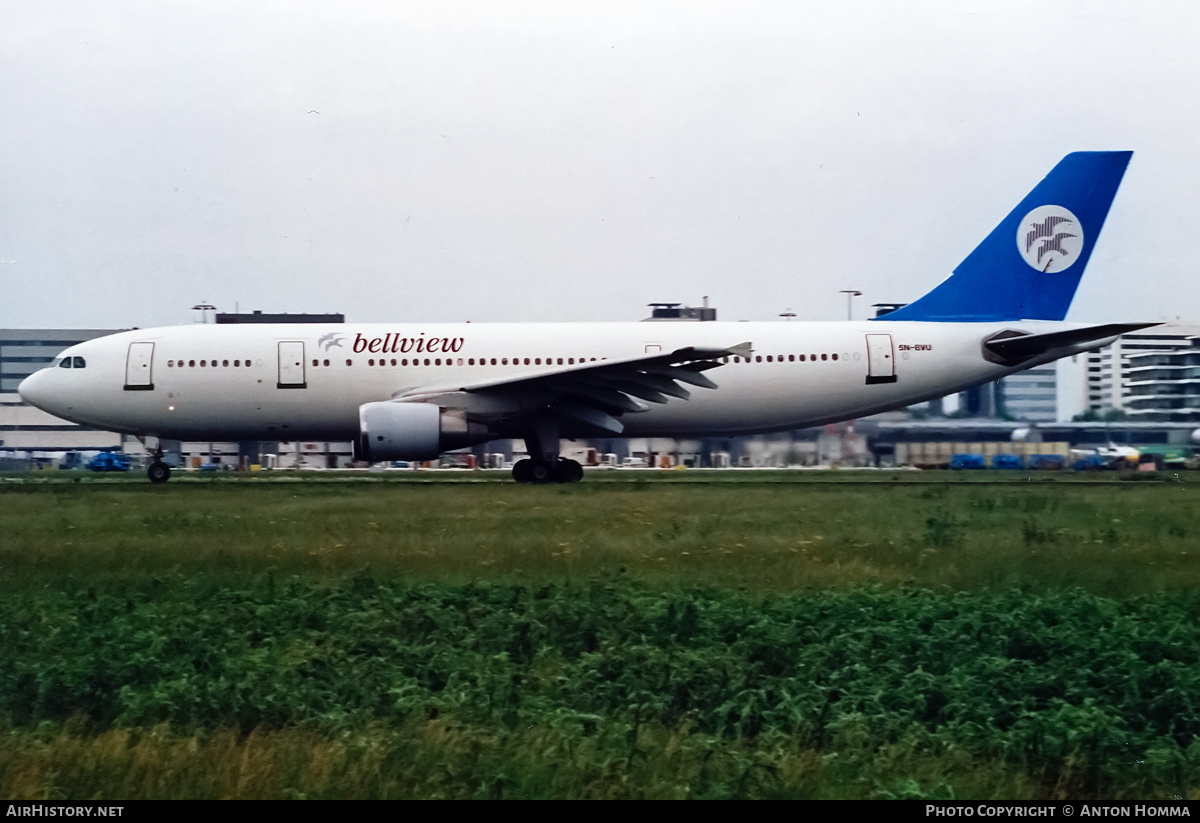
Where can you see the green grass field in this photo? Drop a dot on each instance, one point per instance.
(685, 634)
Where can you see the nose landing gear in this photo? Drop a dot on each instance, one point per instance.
(158, 472)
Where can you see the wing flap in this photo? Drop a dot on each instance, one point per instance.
(591, 416)
(683, 375)
(605, 397)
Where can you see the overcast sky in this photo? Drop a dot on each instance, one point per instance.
(530, 161)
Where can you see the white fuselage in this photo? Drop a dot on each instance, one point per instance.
(291, 382)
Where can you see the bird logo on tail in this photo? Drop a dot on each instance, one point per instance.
(1050, 238)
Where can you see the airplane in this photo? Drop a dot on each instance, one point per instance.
(405, 391)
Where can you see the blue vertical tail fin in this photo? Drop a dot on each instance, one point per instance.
(1029, 266)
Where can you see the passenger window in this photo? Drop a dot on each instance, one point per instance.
(770, 359)
(191, 364)
(225, 363)
(758, 358)
(349, 362)
(503, 361)
(824, 357)
(560, 361)
(404, 362)
(570, 361)
(393, 361)
(834, 355)
(426, 361)
(791, 358)
(202, 363)
(437, 361)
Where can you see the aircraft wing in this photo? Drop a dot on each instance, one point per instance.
(596, 392)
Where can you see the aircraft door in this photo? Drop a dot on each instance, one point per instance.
(881, 359)
(139, 367)
(291, 365)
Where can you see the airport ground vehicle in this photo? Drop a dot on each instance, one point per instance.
(1047, 462)
(110, 462)
(1092, 462)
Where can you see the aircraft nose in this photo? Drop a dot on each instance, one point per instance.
(33, 390)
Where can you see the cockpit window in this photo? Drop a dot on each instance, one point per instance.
(65, 363)
(80, 363)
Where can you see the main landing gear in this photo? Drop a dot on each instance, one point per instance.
(560, 470)
(544, 464)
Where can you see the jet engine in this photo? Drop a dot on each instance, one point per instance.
(412, 431)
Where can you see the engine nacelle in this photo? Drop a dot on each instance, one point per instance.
(412, 431)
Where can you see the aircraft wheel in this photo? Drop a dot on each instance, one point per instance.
(541, 472)
(568, 471)
(158, 472)
(522, 471)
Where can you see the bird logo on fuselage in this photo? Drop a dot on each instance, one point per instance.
(328, 341)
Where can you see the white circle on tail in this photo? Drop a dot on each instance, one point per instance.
(1050, 238)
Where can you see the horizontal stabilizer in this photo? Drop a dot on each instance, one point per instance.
(1010, 348)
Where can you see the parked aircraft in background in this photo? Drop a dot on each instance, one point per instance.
(408, 391)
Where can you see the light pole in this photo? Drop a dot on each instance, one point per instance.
(850, 295)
